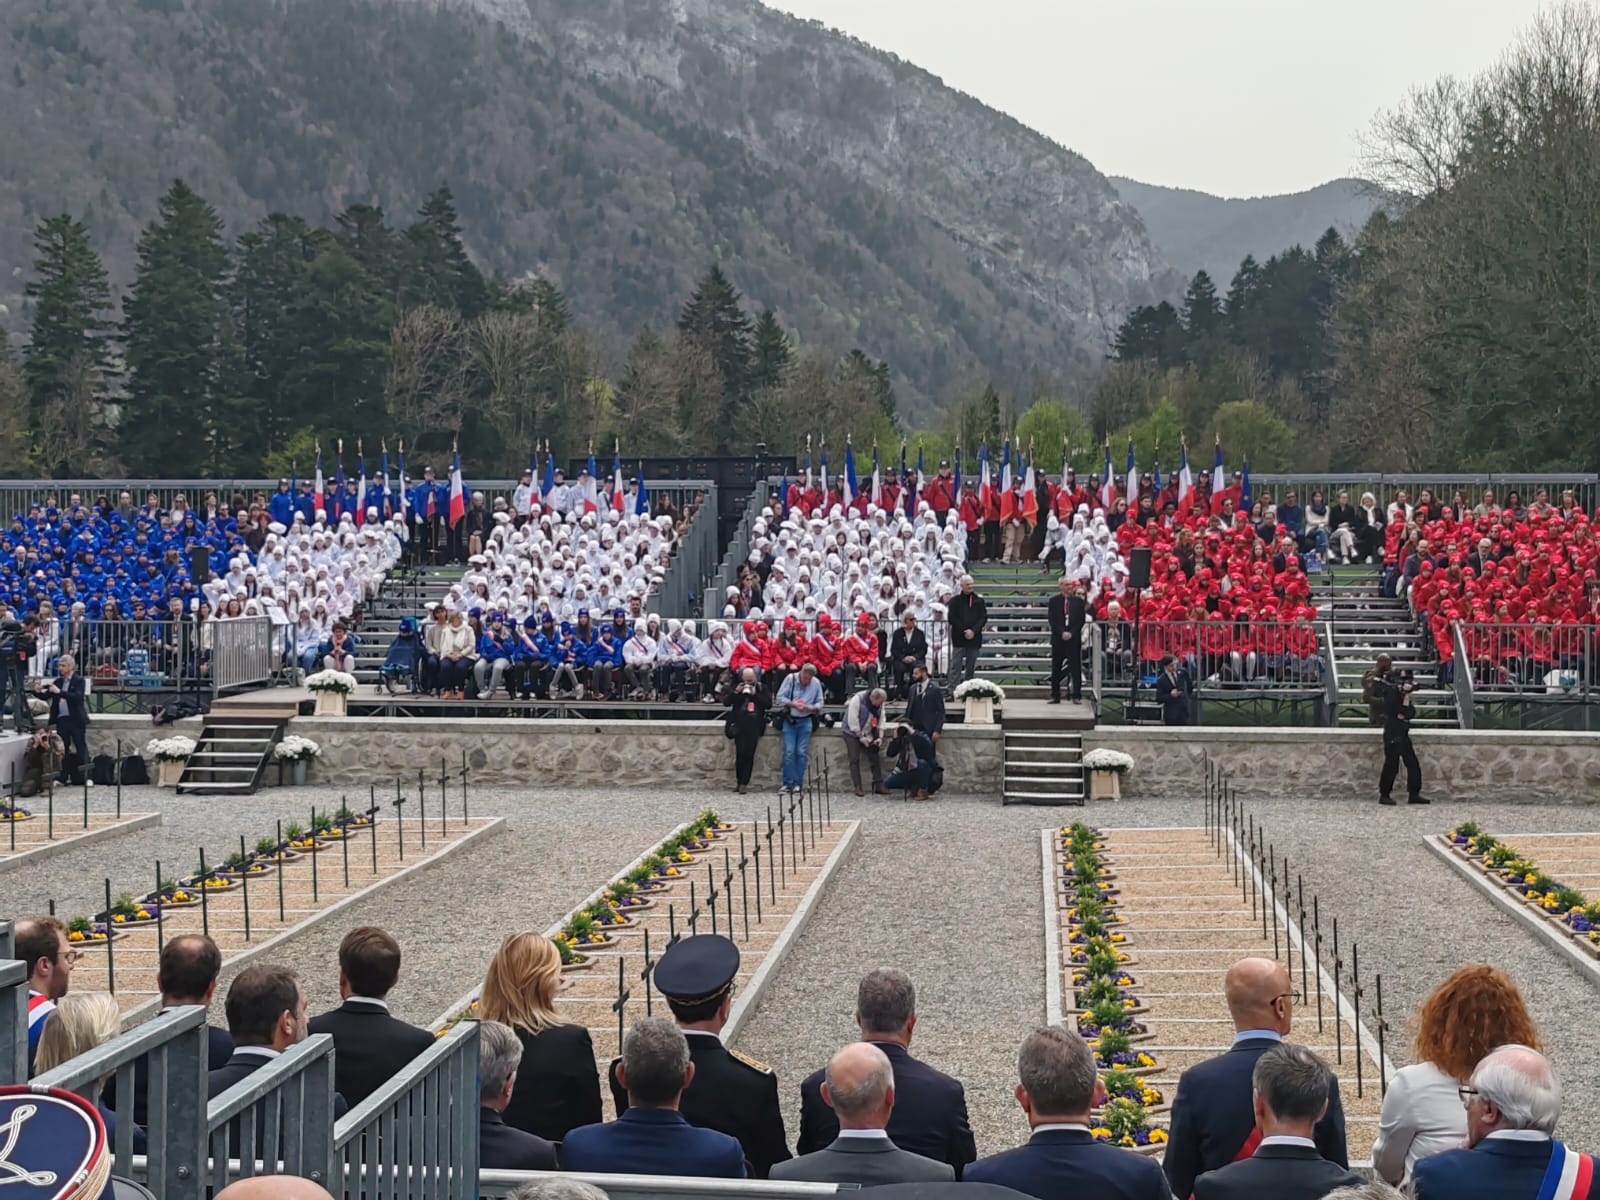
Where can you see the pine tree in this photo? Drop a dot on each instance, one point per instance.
(71, 301)
(439, 270)
(877, 376)
(714, 323)
(16, 444)
(1202, 315)
(773, 352)
(367, 236)
(269, 282)
(173, 422)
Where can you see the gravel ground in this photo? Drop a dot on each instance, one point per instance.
(949, 890)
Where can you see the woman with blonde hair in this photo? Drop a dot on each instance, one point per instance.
(558, 1084)
(1471, 1013)
(80, 1022)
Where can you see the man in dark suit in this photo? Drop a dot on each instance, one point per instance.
(1213, 1120)
(907, 648)
(859, 1088)
(69, 717)
(650, 1135)
(1061, 1160)
(925, 707)
(369, 1045)
(266, 1010)
(1513, 1104)
(1067, 611)
(729, 1092)
(930, 1108)
(1172, 692)
(186, 974)
(1291, 1095)
(500, 1147)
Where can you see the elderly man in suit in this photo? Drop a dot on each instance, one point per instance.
(1291, 1095)
(1513, 1103)
(1061, 1160)
(1213, 1118)
(930, 1108)
(369, 1045)
(1067, 613)
(859, 1088)
(500, 1147)
(651, 1137)
(69, 716)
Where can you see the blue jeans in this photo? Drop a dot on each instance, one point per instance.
(796, 744)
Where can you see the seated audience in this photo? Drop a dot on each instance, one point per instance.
(81, 1022)
(1476, 1009)
(558, 1083)
(1291, 1095)
(500, 1147)
(369, 1045)
(1513, 1102)
(651, 1137)
(929, 1116)
(1058, 1082)
(859, 1088)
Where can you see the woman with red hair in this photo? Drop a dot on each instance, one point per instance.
(1471, 1013)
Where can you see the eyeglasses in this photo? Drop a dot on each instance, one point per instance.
(71, 957)
(1292, 997)
(1466, 1094)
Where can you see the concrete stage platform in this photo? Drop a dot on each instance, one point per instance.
(13, 750)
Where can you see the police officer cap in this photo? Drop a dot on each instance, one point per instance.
(696, 969)
(55, 1145)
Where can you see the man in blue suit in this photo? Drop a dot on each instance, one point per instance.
(1061, 1160)
(651, 1137)
(1213, 1120)
(1513, 1103)
(930, 1108)
(1291, 1095)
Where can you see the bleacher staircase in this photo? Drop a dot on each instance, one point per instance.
(235, 747)
(1016, 645)
(1364, 624)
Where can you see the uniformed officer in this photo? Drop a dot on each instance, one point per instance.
(730, 1092)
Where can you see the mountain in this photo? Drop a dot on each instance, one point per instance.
(1200, 231)
(614, 147)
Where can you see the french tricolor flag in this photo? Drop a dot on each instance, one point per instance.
(616, 480)
(458, 493)
(319, 491)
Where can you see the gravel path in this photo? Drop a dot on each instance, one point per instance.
(950, 891)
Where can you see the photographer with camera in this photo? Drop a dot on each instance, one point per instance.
(18, 644)
(1395, 692)
(744, 723)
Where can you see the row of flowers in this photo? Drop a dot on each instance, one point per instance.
(177, 748)
(1515, 870)
(128, 912)
(1105, 995)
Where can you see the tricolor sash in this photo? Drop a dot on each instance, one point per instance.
(1248, 1150)
(1568, 1176)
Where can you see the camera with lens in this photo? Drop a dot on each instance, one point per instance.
(17, 645)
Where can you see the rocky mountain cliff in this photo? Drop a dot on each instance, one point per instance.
(614, 146)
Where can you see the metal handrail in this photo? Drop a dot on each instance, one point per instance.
(693, 560)
(737, 550)
(1330, 674)
(1461, 676)
(175, 1044)
(302, 1079)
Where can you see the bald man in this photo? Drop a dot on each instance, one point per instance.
(1213, 1113)
(273, 1187)
(858, 1085)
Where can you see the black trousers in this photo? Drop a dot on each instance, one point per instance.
(744, 756)
(75, 763)
(1397, 749)
(1066, 660)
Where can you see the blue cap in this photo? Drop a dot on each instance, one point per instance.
(547, 619)
(56, 1147)
(532, 622)
(696, 969)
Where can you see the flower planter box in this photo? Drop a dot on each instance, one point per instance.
(17, 817)
(591, 947)
(577, 965)
(169, 771)
(1105, 785)
(169, 905)
(1135, 1011)
(332, 704)
(980, 710)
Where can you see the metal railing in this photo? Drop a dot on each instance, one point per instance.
(1584, 486)
(243, 652)
(694, 562)
(417, 1135)
(1551, 662)
(1216, 653)
(1462, 679)
(157, 657)
(736, 552)
(1330, 674)
(175, 1044)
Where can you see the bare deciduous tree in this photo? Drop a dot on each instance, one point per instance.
(425, 389)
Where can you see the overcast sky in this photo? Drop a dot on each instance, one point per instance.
(1236, 97)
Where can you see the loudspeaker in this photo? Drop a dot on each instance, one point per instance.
(1139, 568)
(200, 565)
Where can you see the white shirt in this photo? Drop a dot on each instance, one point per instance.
(1074, 1126)
(865, 1133)
(1517, 1135)
(258, 1051)
(1422, 1115)
(1287, 1139)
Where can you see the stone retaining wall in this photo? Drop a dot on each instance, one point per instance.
(1329, 763)
(625, 754)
